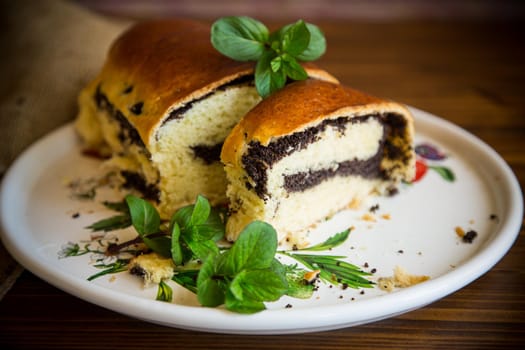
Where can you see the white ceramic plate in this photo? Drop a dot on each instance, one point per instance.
(414, 230)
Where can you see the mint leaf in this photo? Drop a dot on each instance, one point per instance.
(213, 228)
(160, 245)
(201, 249)
(254, 249)
(266, 80)
(275, 64)
(144, 216)
(295, 38)
(317, 45)
(210, 291)
(146, 220)
(258, 285)
(277, 54)
(240, 38)
(195, 229)
(183, 217)
(200, 219)
(245, 275)
(201, 211)
(176, 250)
(246, 306)
(297, 285)
(293, 69)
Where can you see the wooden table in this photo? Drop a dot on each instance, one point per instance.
(470, 73)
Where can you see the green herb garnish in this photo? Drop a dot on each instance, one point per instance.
(246, 275)
(243, 276)
(115, 222)
(164, 292)
(115, 267)
(278, 54)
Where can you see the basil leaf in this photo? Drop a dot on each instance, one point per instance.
(254, 249)
(266, 80)
(240, 38)
(295, 38)
(209, 290)
(317, 45)
(258, 285)
(144, 216)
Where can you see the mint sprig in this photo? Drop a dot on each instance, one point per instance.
(278, 54)
(246, 275)
(243, 276)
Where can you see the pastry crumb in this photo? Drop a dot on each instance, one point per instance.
(368, 217)
(459, 231)
(354, 204)
(401, 279)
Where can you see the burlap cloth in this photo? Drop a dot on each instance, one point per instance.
(49, 50)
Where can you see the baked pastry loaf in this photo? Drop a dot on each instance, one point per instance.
(310, 150)
(162, 106)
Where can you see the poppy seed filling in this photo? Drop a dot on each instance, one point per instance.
(127, 131)
(259, 159)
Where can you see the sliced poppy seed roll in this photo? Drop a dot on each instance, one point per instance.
(310, 150)
(161, 108)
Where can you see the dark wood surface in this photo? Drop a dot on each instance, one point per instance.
(470, 73)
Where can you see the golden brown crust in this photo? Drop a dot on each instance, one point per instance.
(168, 63)
(297, 106)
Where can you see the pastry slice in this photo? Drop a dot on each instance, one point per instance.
(161, 108)
(310, 150)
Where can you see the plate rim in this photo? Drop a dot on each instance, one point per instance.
(315, 318)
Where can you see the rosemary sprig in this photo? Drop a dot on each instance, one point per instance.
(115, 222)
(164, 292)
(116, 267)
(331, 268)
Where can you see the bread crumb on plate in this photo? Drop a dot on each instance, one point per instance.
(401, 279)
